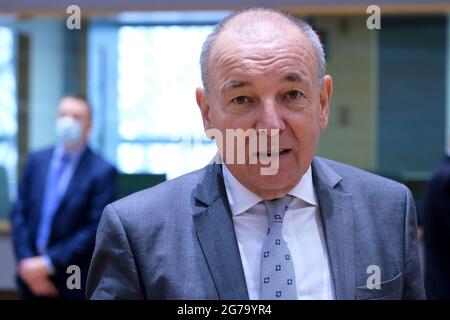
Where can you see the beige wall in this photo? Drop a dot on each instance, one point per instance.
(352, 62)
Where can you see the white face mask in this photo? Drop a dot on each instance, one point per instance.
(68, 131)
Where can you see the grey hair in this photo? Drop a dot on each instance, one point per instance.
(307, 30)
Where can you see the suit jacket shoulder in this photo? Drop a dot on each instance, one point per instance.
(361, 181)
(172, 195)
(156, 227)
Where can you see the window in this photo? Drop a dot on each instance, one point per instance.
(158, 122)
(8, 123)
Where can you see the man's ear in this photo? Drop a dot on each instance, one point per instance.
(88, 129)
(202, 103)
(325, 100)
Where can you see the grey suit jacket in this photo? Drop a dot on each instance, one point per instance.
(177, 241)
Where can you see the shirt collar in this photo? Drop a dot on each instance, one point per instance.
(304, 190)
(73, 155)
(241, 199)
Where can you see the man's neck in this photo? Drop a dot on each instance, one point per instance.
(74, 148)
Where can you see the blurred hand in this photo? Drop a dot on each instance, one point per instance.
(34, 271)
(420, 233)
(43, 287)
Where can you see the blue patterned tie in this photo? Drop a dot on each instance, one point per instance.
(277, 269)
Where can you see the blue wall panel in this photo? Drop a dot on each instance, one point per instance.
(412, 84)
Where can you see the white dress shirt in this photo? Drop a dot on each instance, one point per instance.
(302, 231)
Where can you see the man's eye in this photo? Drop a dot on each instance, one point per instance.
(240, 100)
(293, 94)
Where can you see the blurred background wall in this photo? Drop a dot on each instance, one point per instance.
(137, 61)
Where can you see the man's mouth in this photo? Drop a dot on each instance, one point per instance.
(278, 152)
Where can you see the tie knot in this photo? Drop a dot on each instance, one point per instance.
(277, 208)
(64, 158)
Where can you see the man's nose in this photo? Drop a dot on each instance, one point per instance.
(270, 116)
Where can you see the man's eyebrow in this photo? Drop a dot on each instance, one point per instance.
(293, 77)
(234, 84)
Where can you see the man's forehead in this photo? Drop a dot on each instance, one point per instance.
(258, 36)
(232, 46)
(73, 104)
(258, 46)
(287, 51)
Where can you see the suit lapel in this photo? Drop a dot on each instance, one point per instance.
(215, 232)
(337, 215)
(42, 175)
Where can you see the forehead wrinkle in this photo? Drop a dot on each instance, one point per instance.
(260, 51)
(259, 55)
(290, 64)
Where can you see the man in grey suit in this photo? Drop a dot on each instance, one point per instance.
(309, 229)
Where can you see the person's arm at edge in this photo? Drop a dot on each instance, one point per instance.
(436, 235)
(113, 272)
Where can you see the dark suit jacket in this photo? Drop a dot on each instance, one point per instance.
(437, 233)
(75, 222)
(177, 240)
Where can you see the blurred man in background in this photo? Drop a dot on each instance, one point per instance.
(437, 232)
(61, 196)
